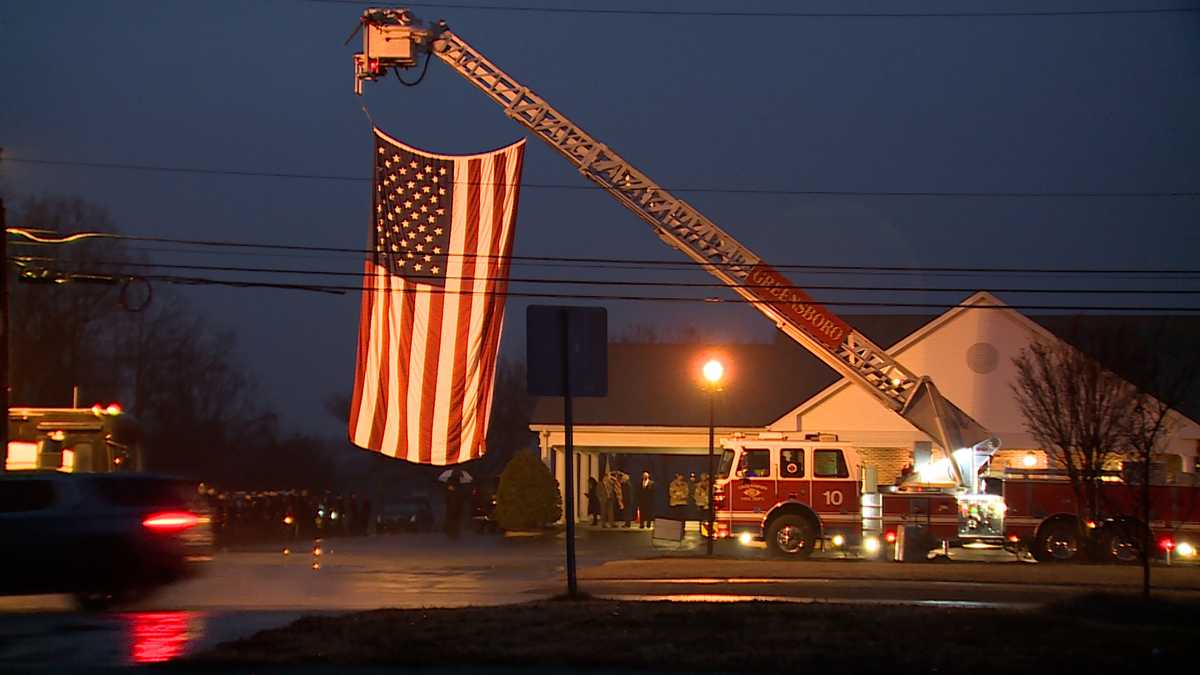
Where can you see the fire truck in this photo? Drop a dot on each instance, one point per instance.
(792, 492)
(100, 439)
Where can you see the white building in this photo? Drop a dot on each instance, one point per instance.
(656, 407)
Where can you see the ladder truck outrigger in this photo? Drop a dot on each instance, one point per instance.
(783, 496)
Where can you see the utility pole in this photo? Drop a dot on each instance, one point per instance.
(4, 333)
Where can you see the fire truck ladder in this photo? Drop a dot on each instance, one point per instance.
(392, 38)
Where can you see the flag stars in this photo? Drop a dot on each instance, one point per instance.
(441, 171)
(425, 188)
(437, 250)
(437, 230)
(414, 164)
(428, 258)
(407, 205)
(431, 219)
(417, 267)
(436, 269)
(420, 247)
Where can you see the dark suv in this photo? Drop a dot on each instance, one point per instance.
(103, 537)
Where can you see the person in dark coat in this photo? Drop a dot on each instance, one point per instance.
(645, 501)
(593, 500)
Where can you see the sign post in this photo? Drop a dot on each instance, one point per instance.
(567, 355)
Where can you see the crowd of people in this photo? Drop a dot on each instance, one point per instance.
(240, 518)
(614, 498)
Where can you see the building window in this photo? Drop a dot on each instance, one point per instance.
(791, 463)
(830, 463)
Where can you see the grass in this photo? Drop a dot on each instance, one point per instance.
(1088, 632)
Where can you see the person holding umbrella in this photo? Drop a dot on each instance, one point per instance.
(454, 479)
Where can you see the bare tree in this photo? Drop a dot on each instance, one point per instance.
(1078, 410)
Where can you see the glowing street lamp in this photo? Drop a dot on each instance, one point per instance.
(713, 371)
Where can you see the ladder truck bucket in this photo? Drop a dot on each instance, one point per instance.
(392, 38)
(964, 440)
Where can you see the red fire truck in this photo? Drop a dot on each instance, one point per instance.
(1043, 516)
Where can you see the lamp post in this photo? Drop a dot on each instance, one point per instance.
(713, 371)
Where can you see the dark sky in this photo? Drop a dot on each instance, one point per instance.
(1001, 104)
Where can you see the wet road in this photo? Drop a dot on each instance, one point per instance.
(246, 591)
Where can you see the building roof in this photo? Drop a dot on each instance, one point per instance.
(655, 384)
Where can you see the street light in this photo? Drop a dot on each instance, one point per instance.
(713, 371)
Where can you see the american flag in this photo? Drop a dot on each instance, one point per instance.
(433, 300)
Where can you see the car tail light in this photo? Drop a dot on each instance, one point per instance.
(170, 521)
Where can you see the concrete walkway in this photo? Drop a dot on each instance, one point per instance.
(1177, 577)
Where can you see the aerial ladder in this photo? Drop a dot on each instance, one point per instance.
(394, 39)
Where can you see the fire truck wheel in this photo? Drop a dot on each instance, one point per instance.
(1058, 541)
(1121, 542)
(791, 536)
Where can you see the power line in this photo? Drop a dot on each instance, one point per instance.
(327, 288)
(777, 14)
(669, 266)
(645, 283)
(1001, 194)
(623, 262)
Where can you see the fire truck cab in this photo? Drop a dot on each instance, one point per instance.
(794, 492)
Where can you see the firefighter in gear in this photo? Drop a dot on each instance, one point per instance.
(677, 496)
(700, 495)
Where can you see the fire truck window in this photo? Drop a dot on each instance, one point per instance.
(757, 463)
(725, 465)
(830, 464)
(25, 495)
(791, 463)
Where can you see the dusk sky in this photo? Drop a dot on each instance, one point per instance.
(1010, 104)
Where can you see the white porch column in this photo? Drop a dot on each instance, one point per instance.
(544, 446)
(560, 474)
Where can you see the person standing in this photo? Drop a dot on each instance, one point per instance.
(455, 481)
(677, 497)
(593, 500)
(645, 501)
(608, 496)
(700, 497)
(628, 503)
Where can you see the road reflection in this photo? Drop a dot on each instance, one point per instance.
(161, 636)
